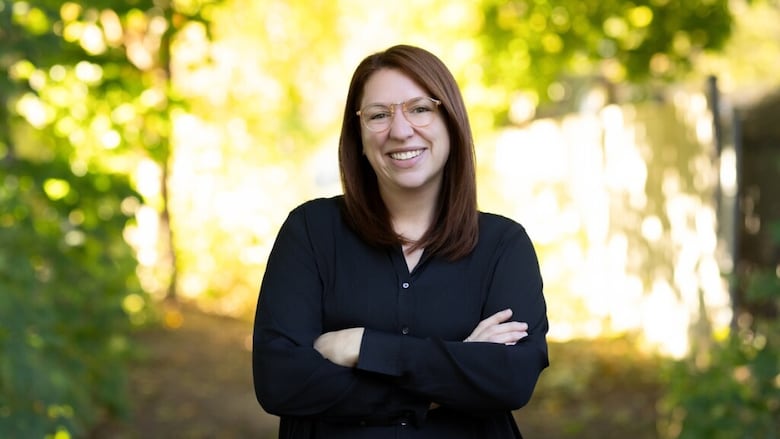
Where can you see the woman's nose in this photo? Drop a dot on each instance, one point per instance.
(400, 127)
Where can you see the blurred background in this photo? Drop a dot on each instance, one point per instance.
(150, 150)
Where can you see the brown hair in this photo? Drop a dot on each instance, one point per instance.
(454, 231)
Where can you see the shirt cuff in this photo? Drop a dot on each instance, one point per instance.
(380, 352)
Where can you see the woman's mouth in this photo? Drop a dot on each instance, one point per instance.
(406, 155)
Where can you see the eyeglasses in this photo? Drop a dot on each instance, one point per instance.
(418, 111)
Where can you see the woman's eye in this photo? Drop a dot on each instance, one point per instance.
(379, 116)
(419, 109)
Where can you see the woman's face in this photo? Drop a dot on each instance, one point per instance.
(406, 158)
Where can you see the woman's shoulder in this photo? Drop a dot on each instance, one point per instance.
(318, 215)
(321, 206)
(497, 221)
(314, 221)
(493, 226)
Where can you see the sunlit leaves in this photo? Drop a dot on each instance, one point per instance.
(55, 188)
(552, 43)
(531, 44)
(734, 393)
(31, 18)
(64, 270)
(640, 16)
(21, 70)
(78, 112)
(70, 11)
(88, 73)
(34, 110)
(192, 7)
(615, 27)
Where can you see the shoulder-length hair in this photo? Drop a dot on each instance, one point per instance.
(453, 233)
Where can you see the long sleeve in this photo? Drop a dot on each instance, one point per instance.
(477, 377)
(290, 377)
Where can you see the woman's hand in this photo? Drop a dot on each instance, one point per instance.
(340, 347)
(496, 329)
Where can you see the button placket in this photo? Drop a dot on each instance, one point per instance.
(404, 301)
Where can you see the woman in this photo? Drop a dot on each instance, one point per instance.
(398, 309)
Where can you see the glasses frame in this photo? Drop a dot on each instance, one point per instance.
(392, 106)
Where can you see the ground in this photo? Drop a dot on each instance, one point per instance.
(195, 381)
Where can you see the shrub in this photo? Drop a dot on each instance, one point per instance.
(65, 270)
(732, 391)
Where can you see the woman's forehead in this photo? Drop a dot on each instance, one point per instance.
(390, 86)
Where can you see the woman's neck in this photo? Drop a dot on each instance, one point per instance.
(411, 213)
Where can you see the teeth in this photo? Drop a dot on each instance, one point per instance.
(406, 155)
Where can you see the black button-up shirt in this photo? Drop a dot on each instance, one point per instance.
(322, 277)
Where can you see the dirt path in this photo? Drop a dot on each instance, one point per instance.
(194, 382)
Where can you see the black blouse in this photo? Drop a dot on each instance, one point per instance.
(321, 277)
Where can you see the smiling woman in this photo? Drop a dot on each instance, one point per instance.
(369, 190)
(398, 309)
(406, 157)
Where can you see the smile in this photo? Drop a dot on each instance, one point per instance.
(406, 155)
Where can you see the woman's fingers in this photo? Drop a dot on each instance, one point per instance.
(496, 329)
(495, 319)
(341, 347)
(500, 335)
(511, 337)
(489, 322)
(504, 333)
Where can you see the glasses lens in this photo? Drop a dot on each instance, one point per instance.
(376, 117)
(419, 112)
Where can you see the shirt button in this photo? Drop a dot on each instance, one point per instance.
(405, 330)
(405, 285)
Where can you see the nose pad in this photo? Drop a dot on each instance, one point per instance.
(400, 127)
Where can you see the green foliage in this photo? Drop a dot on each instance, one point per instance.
(64, 273)
(734, 396)
(74, 115)
(732, 390)
(533, 44)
